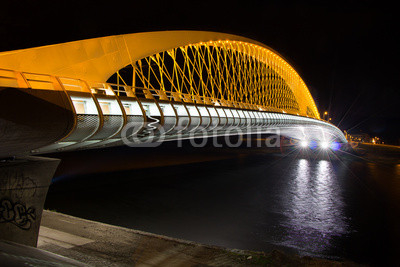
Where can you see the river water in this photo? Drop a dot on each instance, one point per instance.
(332, 207)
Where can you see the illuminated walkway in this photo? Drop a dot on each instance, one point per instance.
(151, 87)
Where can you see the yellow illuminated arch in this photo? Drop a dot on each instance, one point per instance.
(240, 69)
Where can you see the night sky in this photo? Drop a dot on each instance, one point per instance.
(346, 52)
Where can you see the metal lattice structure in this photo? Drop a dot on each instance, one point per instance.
(231, 72)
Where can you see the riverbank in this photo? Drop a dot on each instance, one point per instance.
(380, 153)
(161, 194)
(99, 244)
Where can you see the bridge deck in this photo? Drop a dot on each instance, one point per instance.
(44, 113)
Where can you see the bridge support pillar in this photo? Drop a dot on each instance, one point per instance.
(23, 188)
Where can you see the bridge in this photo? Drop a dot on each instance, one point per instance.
(148, 87)
(176, 84)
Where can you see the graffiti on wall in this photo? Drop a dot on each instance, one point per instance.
(17, 214)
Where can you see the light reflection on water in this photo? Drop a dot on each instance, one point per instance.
(315, 208)
(324, 208)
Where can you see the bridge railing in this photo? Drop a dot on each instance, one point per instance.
(11, 78)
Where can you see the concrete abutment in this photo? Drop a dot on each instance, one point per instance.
(24, 183)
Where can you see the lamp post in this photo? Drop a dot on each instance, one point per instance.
(325, 115)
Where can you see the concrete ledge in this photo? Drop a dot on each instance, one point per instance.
(99, 244)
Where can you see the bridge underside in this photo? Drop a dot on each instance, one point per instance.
(51, 124)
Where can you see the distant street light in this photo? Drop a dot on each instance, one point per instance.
(325, 115)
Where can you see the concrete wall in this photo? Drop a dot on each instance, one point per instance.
(23, 187)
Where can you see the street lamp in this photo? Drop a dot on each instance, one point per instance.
(325, 115)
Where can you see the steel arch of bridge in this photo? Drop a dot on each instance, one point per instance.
(219, 66)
